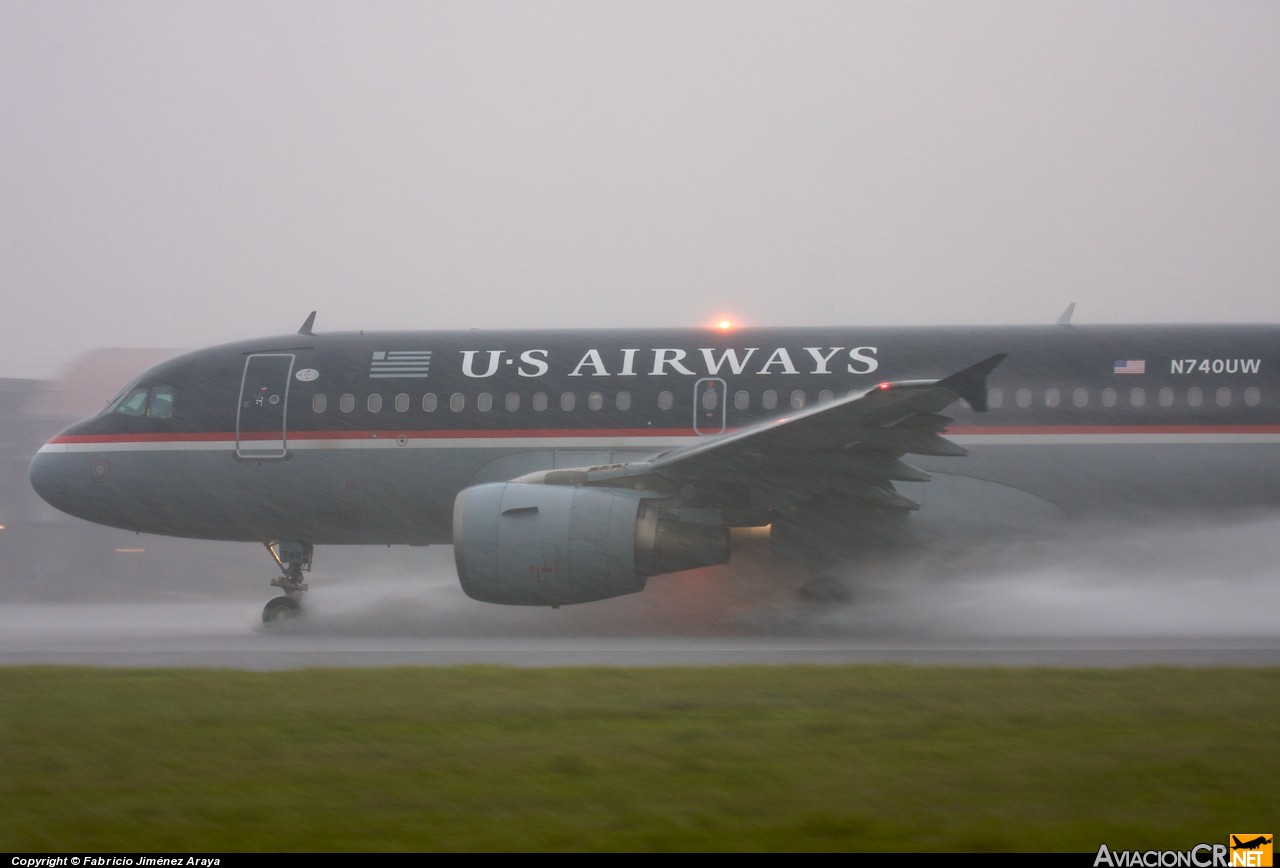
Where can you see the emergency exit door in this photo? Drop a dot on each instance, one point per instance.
(709, 398)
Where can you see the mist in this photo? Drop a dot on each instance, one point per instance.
(179, 175)
(1180, 595)
(1174, 582)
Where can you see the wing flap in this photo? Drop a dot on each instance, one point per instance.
(902, 439)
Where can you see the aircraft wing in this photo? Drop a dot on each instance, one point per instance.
(853, 446)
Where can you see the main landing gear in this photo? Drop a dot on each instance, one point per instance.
(293, 558)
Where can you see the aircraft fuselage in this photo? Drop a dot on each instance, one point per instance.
(355, 438)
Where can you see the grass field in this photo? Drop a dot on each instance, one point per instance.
(760, 759)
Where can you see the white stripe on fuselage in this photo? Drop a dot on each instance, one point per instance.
(636, 443)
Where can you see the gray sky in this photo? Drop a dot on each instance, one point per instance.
(182, 174)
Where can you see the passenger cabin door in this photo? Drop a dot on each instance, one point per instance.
(709, 408)
(260, 417)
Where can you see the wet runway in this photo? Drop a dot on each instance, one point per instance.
(225, 635)
(222, 636)
(1028, 606)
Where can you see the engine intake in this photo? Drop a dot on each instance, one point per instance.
(549, 545)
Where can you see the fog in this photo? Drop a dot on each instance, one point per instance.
(1183, 581)
(178, 175)
(1164, 595)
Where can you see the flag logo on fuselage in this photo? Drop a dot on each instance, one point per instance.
(400, 363)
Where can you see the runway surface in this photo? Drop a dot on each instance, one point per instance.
(221, 636)
(1023, 606)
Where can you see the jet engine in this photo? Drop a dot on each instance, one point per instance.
(531, 544)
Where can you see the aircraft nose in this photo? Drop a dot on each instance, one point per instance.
(48, 475)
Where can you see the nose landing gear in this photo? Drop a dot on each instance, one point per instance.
(293, 558)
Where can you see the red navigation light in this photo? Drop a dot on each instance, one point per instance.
(883, 386)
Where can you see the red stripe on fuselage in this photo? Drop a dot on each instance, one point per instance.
(527, 433)
(1112, 429)
(230, 437)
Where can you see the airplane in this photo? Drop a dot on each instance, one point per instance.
(1251, 844)
(570, 466)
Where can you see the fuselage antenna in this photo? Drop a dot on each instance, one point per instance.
(306, 326)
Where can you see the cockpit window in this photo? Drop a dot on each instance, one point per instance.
(161, 402)
(132, 403)
(153, 401)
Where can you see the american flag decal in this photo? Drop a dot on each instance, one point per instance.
(400, 363)
(1131, 366)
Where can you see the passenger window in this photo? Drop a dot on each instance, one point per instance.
(995, 398)
(429, 403)
(1080, 397)
(513, 402)
(665, 400)
(1194, 396)
(319, 403)
(1252, 396)
(1223, 396)
(374, 403)
(769, 399)
(484, 402)
(539, 401)
(624, 400)
(1108, 397)
(1165, 397)
(1023, 398)
(826, 396)
(1052, 397)
(710, 399)
(347, 402)
(567, 401)
(1137, 397)
(797, 399)
(457, 402)
(595, 401)
(402, 403)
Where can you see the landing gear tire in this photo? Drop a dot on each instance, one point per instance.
(280, 609)
(293, 558)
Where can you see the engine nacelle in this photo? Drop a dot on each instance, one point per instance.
(549, 545)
